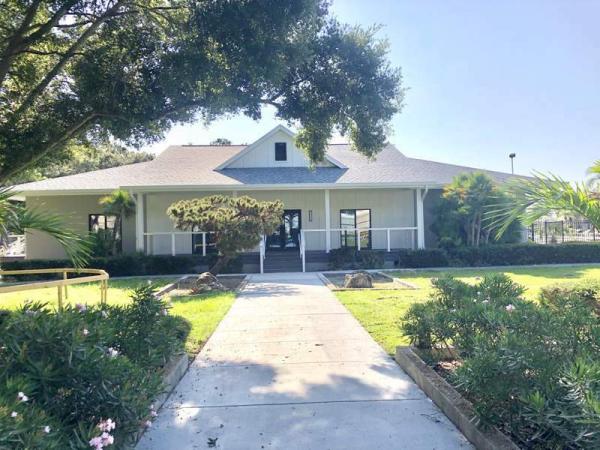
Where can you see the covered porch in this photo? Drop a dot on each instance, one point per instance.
(315, 222)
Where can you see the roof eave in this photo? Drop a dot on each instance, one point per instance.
(292, 186)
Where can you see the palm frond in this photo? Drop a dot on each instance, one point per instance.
(15, 218)
(534, 198)
(595, 168)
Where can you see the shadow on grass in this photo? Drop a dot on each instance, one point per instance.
(199, 297)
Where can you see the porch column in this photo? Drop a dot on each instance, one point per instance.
(327, 222)
(420, 219)
(139, 222)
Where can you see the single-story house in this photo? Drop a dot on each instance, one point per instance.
(347, 200)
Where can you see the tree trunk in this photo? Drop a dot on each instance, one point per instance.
(220, 264)
(116, 229)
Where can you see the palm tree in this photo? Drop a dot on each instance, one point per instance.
(593, 181)
(120, 204)
(537, 197)
(16, 219)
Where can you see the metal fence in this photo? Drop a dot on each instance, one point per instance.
(559, 231)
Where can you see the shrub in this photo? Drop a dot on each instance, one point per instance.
(342, 258)
(370, 259)
(523, 254)
(129, 265)
(146, 320)
(350, 258)
(423, 258)
(531, 368)
(79, 366)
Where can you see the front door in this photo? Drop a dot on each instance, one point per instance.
(288, 234)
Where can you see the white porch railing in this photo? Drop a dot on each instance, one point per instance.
(174, 242)
(262, 248)
(302, 250)
(13, 246)
(334, 239)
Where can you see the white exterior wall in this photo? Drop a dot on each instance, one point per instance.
(262, 154)
(74, 210)
(389, 208)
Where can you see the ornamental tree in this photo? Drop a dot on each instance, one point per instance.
(128, 70)
(235, 223)
(461, 212)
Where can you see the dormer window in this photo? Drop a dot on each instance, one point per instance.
(280, 151)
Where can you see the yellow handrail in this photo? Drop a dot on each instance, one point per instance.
(95, 275)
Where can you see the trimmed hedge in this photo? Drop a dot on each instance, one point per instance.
(346, 258)
(490, 255)
(129, 265)
(349, 258)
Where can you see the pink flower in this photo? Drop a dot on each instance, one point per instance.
(148, 423)
(47, 429)
(14, 414)
(510, 308)
(107, 425)
(153, 413)
(112, 352)
(96, 442)
(85, 332)
(107, 439)
(22, 397)
(81, 307)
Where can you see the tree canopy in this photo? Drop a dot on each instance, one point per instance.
(460, 214)
(234, 223)
(128, 70)
(221, 141)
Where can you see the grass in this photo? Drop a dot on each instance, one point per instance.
(204, 312)
(381, 312)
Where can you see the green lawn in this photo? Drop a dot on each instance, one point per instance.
(380, 312)
(204, 312)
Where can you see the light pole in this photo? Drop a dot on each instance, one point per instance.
(512, 165)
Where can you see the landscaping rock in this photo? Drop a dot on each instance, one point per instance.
(207, 282)
(358, 280)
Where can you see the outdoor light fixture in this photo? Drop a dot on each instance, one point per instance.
(512, 166)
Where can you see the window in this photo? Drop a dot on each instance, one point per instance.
(355, 222)
(280, 151)
(197, 244)
(97, 222)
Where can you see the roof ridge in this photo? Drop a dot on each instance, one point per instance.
(210, 145)
(461, 166)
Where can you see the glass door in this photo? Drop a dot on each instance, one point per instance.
(287, 235)
(352, 219)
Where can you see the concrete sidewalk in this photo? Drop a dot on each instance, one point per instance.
(290, 368)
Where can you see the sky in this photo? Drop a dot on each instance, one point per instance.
(484, 79)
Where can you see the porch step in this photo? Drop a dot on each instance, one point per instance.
(282, 261)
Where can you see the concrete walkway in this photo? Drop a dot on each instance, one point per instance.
(290, 368)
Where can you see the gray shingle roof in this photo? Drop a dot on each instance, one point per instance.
(195, 166)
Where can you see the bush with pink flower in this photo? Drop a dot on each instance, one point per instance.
(80, 378)
(530, 368)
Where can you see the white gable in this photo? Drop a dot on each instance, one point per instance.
(262, 153)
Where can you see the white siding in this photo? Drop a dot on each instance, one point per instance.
(389, 208)
(74, 210)
(262, 154)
